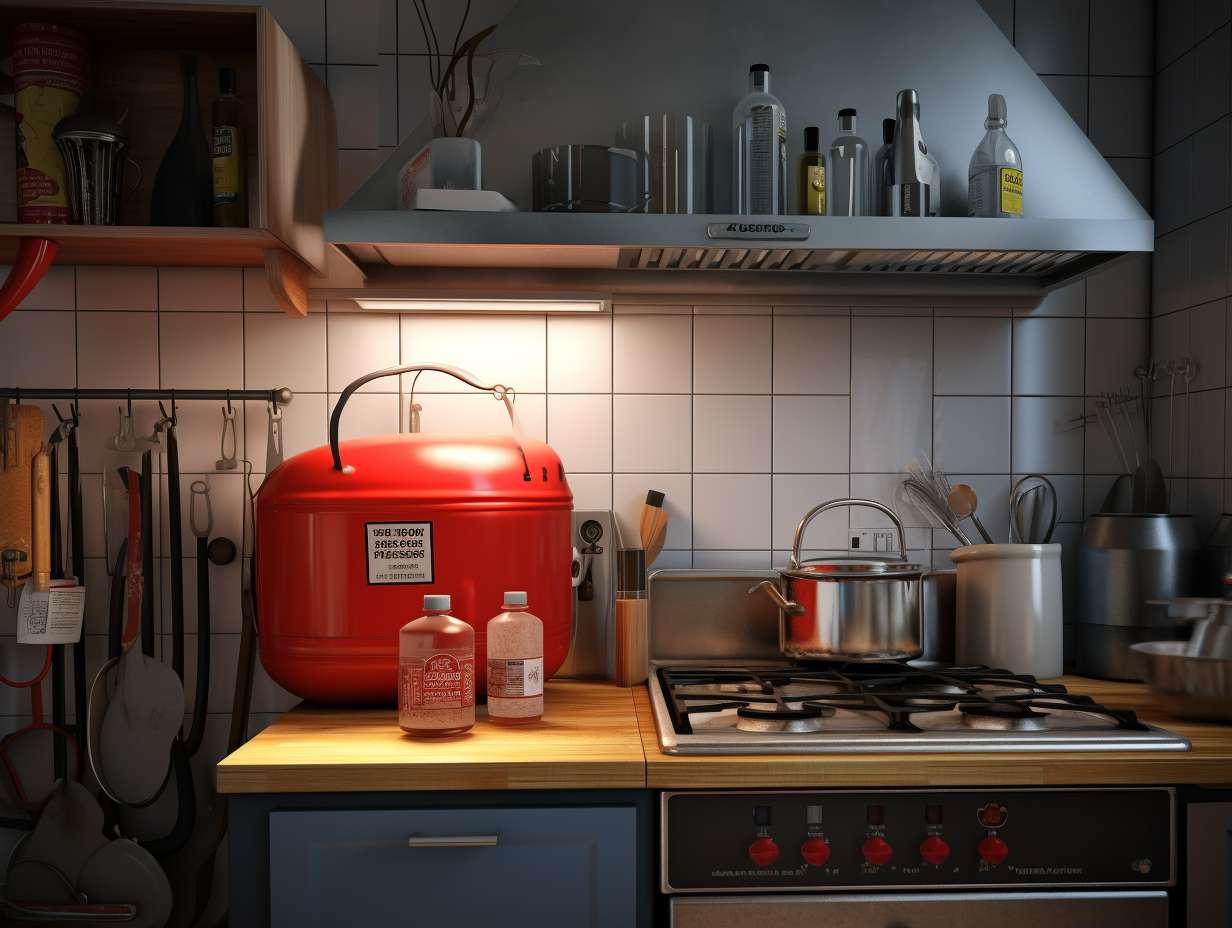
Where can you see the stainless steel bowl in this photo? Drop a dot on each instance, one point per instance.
(1191, 687)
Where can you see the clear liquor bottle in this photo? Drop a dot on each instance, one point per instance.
(759, 149)
(850, 178)
(994, 178)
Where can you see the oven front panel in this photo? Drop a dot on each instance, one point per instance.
(981, 838)
(934, 910)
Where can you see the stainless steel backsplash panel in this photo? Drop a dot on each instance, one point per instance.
(709, 615)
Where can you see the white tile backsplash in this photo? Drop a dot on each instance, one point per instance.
(1048, 357)
(509, 350)
(891, 392)
(360, 343)
(796, 494)
(478, 414)
(200, 350)
(580, 429)
(39, 349)
(117, 288)
(117, 349)
(283, 352)
(1045, 437)
(629, 496)
(731, 354)
(579, 354)
(200, 289)
(811, 434)
(971, 356)
(731, 511)
(971, 434)
(652, 434)
(731, 434)
(812, 354)
(652, 354)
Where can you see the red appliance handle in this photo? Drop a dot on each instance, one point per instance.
(34, 257)
(500, 391)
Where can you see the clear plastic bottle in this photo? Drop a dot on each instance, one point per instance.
(994, 178)
(515, 663)
(759, 149)
(436, 673)
(850, 179)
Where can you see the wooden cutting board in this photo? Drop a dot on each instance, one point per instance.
(16, 522)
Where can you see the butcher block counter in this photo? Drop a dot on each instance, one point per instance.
(1209, 762)
(598, 736)
(588, 739)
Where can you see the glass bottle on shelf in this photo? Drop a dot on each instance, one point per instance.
(183, 189)
(850, 183)
(759, 149)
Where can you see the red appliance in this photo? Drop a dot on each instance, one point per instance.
(350, 536)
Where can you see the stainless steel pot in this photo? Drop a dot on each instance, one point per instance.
(848, 608)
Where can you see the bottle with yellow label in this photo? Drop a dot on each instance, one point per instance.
(228, 155)
(994, 179)
(812, 175)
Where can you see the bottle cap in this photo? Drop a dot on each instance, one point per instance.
(996, 106)
(436, 601)
(812, 138)
(847, 111)
(758, 67)
(887, 130)
(515, 598)
(847, 119)
(226, 81)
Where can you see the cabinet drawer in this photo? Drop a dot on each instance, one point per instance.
(508, 867)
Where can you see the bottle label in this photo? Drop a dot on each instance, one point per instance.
(763, 158)
(225, 155)
(515, 679)
(443, 680)
(1011, 191)
(815, 190)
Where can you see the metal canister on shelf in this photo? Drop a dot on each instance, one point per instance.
(1124, 561)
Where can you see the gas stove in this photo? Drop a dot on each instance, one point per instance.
(877, 707)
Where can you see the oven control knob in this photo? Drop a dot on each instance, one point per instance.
(994, 850)
(815, 851)
(877, 850)
(934, 850)
(764, 852)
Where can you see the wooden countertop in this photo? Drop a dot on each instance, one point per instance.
(1209, 762)
(588, 739)
(599, 736)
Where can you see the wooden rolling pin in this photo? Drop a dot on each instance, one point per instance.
(632, 618)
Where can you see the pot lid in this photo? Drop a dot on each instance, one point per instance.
(853, 567)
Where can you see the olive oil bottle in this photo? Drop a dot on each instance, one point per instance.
(228, 155)
(812, 175)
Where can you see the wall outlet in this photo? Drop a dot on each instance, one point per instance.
(874, 541)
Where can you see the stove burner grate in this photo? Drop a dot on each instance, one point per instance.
(986, 697)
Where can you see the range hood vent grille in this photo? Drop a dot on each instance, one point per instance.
(1009, 263)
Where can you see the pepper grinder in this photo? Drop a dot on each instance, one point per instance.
(632, 618)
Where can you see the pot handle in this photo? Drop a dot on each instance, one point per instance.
(837, 503)
(772, 590)
(500, 391)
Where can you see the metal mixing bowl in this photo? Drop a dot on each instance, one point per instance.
(1191, 687)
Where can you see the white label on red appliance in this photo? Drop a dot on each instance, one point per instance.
(399, 552)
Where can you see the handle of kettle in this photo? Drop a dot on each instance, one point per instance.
(500, 391)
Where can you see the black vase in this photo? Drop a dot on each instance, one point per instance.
(183, 188)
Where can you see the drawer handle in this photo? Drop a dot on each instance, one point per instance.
(452, 840)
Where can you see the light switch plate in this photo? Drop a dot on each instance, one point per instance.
(874, 541)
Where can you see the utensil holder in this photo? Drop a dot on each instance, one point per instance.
(1009, 608)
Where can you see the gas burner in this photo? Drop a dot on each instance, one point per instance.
(1002, 716)
(794, 718)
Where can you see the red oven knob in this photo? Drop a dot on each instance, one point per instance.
(815, 851)
(764, 852)
(877, 850)
(934, 850)
(994, 850)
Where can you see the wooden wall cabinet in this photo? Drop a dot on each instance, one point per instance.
(291, 134)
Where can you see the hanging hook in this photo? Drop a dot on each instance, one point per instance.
(229, 409)
(130, 403)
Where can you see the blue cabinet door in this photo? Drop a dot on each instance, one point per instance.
(443, 867)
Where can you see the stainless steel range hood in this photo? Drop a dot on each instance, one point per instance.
(603, 62)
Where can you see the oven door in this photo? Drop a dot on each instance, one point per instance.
(1129, 909)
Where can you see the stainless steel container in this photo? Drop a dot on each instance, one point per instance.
(940, 587)
(589, 179)
(1124, 561)
(1191, 687)
(93, 148)
(680, 149)
(849, 609)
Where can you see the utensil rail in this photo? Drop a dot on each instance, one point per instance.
(281, 396)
